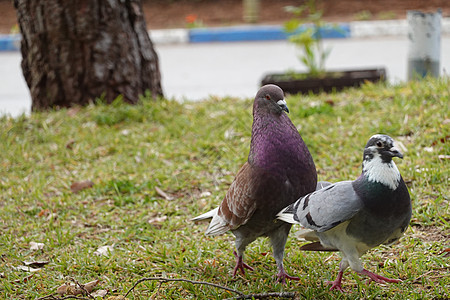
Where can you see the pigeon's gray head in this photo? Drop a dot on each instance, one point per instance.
(383, 146)
(272, 97)
(377, 164)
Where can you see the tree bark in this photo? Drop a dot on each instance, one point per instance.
(75, 51)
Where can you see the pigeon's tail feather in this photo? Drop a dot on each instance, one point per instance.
(217, 226)
(207, 215)
(316, 246)
(287, 214)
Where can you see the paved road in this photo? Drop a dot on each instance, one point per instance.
(195, 71)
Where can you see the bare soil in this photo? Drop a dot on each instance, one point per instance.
(209, 13)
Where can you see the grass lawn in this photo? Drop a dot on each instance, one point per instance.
(157, 164)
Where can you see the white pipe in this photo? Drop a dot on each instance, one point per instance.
(424, 39)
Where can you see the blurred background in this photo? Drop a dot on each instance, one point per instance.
(195, 71)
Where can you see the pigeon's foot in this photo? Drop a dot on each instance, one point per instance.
(240, 265)
(282, 276)
(336, 285)
(378, 278)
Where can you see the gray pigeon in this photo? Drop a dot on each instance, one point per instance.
(279, 170)
(355, 216)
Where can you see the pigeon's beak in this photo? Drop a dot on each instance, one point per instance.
(395, 152)
(282, 103)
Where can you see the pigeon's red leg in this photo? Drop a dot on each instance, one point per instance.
(240, 265)
(282, 276)
(336, 285)
(378, 278)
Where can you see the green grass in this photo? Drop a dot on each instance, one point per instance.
(191, 151)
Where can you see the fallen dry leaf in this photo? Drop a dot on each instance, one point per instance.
(104, 250)
(36, 246)
(205, 194)
(35, 264)
(69, 289)
(69, 144)
(90, 285)
(44, 212)
(99, 293)
(61, 290)
(446, 251)
(163, 194)
(74, 289)
(157, 220)
(26, 269)
(81, 185)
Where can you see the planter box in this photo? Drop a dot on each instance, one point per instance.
(332, 81)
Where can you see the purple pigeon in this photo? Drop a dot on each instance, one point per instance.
(279, 170)
(355, 216)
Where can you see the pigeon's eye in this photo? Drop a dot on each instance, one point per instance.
(268, 97)
(379, 144)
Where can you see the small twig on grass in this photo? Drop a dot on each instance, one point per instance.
(162, 279)
(241, 295)
(265, 295)
(424, 274)
(52, 297)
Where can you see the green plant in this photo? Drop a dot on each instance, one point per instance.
(386, 15)
(363, 15)
(308, 38)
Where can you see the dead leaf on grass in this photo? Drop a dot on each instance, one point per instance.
(69, 144)
(157, 220)
(163, 194)
(205, 194)
(104, 250)
(75, 289)
(446, 251)
(81, 185)
(36, 246)
(26, 269)
(36, 263)
(99, 293)
(44, 212)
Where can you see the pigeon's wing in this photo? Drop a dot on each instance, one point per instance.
(325, 208)
(322, 184)
(239, 203)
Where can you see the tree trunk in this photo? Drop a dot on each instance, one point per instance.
(75, 51)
